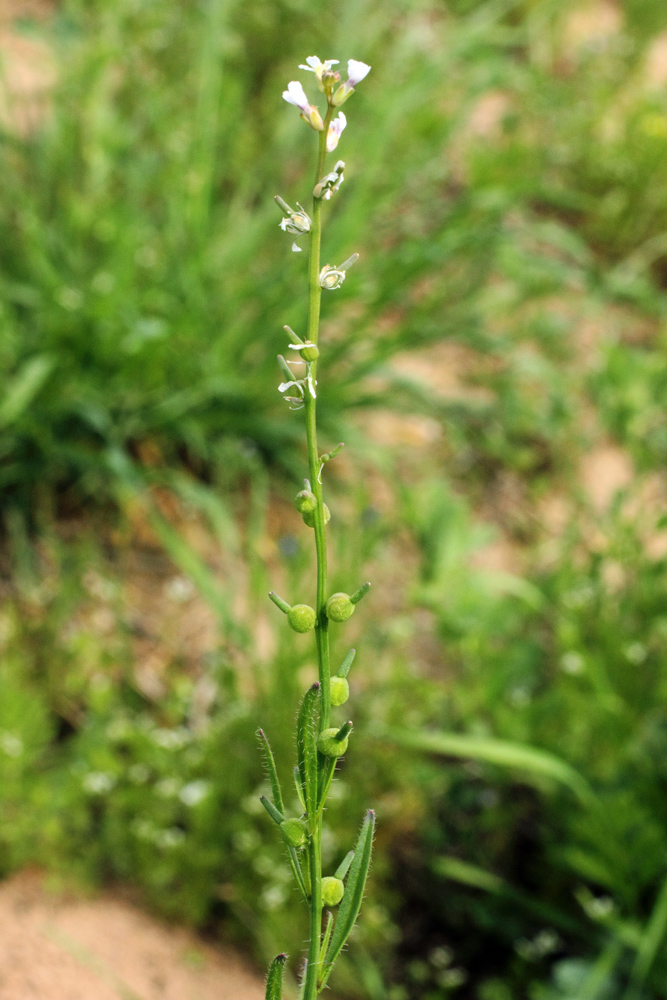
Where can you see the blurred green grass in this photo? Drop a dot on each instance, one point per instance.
(506, 191)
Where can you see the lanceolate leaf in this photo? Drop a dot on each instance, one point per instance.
(273, 774)
(306, 741)
(274, 980)
(276, 816)
(348, 910)
(501, 752)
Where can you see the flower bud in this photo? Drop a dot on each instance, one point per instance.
(328, 745)
(305, 501)
(332, 890)
(339, 607)
(340, 691)
(301, 618)
(309, 516)
(294, 832)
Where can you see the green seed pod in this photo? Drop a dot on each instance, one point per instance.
(328, 745)
(294, 832)
(310, 352)
(305, 501)
(309, 516)
(332, 891)
(301, 618)
(340, 691)
(339, 607)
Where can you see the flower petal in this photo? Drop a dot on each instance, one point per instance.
(356, 71)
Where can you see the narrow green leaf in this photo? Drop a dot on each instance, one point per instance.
(271, 768)
(299, 789)
(306, 742)
(276, 816)
(467, 874)
(500, 752)
(327, 936)
(23, 388)
(652, 938)
(293, 859)
(326, 774)
(344, 866)
(347, 663)
(274, 980)
(354, 894)
(480, 878)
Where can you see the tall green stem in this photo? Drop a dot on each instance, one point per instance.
(322, 630)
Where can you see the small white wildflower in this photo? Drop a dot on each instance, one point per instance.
(98, 782)
(356, 72)
(168, 788)
(11, 745)
(194, 792)
(572, 663)
(297, 223)
(171, 739)
(319, 68)
(333, 277)
(636, 653)
(335, 129)
(169, 838)
(296, 95)
(330, 183)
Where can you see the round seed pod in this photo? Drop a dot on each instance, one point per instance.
(309, 516)
(301, 617)
(340, 691)
(294, 832)
(305, 501)
(329, 746)
(332, 890)
(339, 607)
(310, 352)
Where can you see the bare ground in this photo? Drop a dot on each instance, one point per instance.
(55, 947)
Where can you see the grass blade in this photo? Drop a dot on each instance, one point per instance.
(354, 894)
(651, 940)
(24, 387)
(500, 752)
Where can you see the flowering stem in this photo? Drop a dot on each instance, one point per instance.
(322, 628)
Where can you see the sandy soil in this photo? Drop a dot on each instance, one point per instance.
(64, 948)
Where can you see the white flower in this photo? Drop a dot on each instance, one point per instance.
(193, 793)
(335, 129)
(296, 95)
(333, 277)
(356, 72)
(330, 183)
(316, 66)
(319, 68)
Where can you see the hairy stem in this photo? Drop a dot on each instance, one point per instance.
(322, 628)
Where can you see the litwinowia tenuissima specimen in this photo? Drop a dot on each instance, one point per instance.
(333, 899)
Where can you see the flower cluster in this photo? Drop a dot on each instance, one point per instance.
(328, 81)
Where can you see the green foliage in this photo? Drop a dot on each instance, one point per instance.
(143, 289)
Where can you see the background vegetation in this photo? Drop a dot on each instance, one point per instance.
(497, 366)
